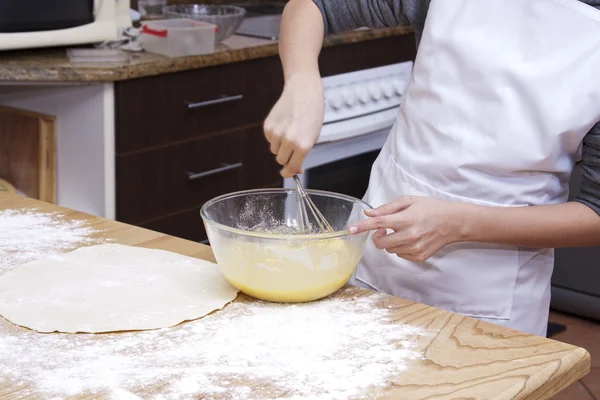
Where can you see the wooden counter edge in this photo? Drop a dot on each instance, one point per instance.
(579, 358)
(576, 362)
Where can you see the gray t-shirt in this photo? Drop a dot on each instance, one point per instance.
(344, 15)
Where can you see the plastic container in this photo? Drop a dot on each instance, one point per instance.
(227, 18)
(151, 9)
(257, 243)
(178, 37)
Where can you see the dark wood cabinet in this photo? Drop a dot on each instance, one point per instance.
(187, 224)
(166, 109)
(162, 181)
(186, 137)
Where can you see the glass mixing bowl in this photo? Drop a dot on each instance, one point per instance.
(260, 250)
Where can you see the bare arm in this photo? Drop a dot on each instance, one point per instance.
(293, 125)
(570, 224)
(301, 37)
(423, 225)
(573, 224)
(305, 22)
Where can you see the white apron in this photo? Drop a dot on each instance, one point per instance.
(502, 94)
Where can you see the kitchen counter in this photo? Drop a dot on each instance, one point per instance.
(52, 65)
(462, 357)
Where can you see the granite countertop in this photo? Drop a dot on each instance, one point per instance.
(52, 65)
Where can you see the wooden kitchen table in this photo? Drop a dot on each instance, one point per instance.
(463, 358)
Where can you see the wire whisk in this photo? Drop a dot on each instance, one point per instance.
(305, 203)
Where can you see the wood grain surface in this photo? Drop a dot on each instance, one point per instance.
(463, 358)
(28, 152)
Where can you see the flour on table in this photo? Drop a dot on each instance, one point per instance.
(27, 235)
(336, 348)
(112, 287)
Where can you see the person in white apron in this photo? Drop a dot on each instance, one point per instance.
(473, 179)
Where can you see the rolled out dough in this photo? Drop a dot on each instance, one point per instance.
(112, 287)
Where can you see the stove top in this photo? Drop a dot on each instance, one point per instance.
(262, 20)
(260, 9)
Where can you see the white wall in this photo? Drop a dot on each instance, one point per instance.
(85, 142)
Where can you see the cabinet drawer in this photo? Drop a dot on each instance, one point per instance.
(159, 182)
(166, 109)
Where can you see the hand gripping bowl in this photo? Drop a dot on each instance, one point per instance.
(257, 244)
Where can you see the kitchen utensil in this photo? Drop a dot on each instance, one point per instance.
(304, 203)
(227, 18)
(178, 37)
(255, 238)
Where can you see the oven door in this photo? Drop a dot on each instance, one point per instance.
(43, 15)
(342, 166)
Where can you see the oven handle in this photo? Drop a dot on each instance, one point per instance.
(192, 176)
(222, 99)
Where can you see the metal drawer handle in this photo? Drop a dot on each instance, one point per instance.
(222, 99)
(225, 167)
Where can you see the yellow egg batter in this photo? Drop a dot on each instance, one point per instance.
(288, 270)
(298, 296)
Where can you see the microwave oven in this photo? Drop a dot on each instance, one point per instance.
(47, 23)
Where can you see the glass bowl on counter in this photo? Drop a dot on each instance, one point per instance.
(227, 18)
(151, 9)
(260, 250)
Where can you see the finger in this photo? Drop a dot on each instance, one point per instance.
(391, 241)
(394, 222)
(286, 172)
(294, 166)
(285, 153)
(276, 136)
(371, 224)
(412, 252)
(379, 233)
(268, 131)
(272, 128)
(275, 144)
(391, 208)
(411, 256)
(403, 251)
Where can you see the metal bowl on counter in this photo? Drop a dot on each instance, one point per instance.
(227, 18)
(260, 250)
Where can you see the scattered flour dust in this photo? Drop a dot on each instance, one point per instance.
(337, 348)
(27, 235)
(333, 349)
